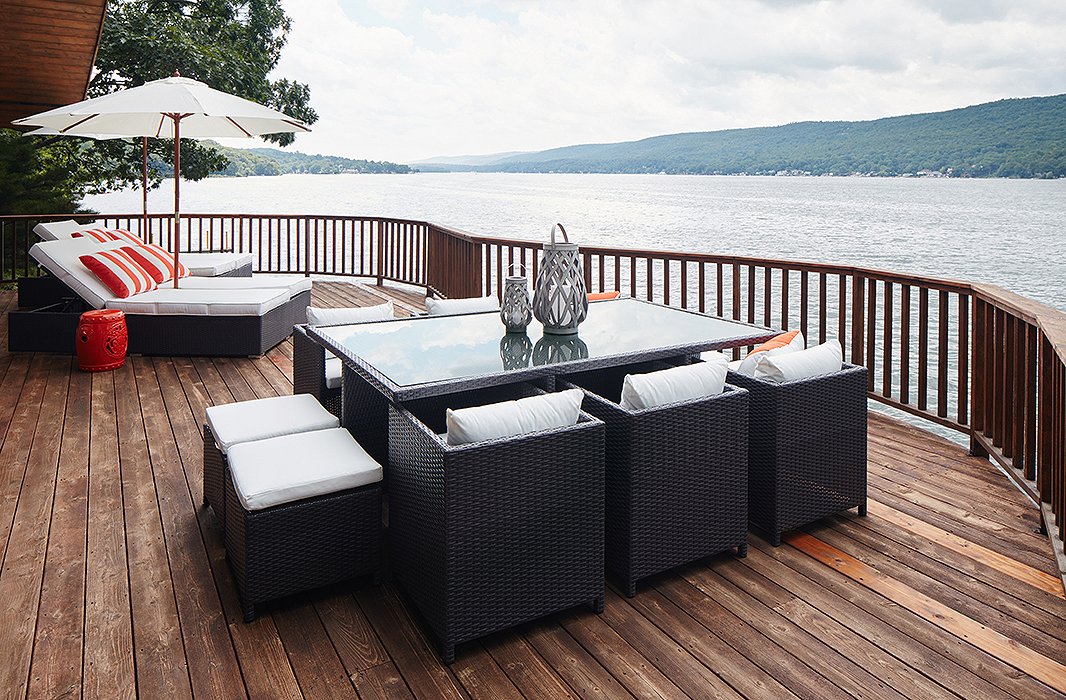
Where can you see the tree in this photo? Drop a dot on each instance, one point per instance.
(231, 45)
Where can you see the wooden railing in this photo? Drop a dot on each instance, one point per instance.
(969, 357)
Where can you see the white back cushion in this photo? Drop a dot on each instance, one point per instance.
(344, 316)
(449, 307)
(58, 230)
(747, 365)
(698, 380)
(61, 259)
(507, 418)
(812, 362)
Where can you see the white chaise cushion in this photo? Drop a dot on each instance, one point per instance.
(334, 369)
(449, 307)
(292, 285)
(295, 467)
(214, 264)
(698, 380)
(59, 230)
(60, 257)
(352, 314)
(260, 419)
(812, 362)
(771, 348)
(167, 301)
(508, 418)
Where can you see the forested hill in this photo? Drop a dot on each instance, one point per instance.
(271, 161)
(1009, 138)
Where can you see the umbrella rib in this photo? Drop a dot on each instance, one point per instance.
(298, 125)
(234, 123)
(159, 129)
(78, 123)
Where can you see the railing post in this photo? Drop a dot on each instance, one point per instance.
(380, 267)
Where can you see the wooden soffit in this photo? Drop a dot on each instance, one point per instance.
(47, 51)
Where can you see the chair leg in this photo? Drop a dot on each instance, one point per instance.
(447, 653)
(775, 539)
(249, 611)
(862, 509)
(597, 602)
(742, 550)
(631, 589)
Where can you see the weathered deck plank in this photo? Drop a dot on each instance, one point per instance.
(115, 580)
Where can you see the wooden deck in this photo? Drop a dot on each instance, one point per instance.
(114, 582)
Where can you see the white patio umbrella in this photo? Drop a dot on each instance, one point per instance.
(169, 108)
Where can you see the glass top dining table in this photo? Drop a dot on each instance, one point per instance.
(433, 355)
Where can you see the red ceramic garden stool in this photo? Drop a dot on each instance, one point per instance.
(101, 340)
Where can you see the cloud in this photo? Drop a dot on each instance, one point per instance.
(409, 80)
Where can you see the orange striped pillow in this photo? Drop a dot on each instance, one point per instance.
(156, 261)
(98, 234)
(118, 272)
(107, 235)
(602, 296)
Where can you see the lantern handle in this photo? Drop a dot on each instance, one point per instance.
(520, 265)
(560, 227)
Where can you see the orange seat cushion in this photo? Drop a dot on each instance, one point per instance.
(601, 296)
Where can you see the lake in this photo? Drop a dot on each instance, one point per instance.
(1006, 232)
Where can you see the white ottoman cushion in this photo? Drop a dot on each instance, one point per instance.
(245, 421)
(291, 468)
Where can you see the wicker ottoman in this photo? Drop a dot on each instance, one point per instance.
(231, 424)
(488, 535)
(806, 448)
(676, 475)
(303, 511)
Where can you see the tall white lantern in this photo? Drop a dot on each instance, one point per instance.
(559, 300)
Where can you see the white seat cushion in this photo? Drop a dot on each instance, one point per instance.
(295, 467)
(334, 368)
(698, 380)
(214, 264)
(167, 301)
(812, 362)
(245, 421)
(350, 314)
(508, 418)
(448, 307)
(293, 285)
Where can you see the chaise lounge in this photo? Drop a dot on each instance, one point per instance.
(204, 316)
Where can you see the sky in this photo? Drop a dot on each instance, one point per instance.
(402, 81)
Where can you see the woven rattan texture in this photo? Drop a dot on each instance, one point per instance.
(489, 535)
(365, 413)
(243, 271)
(806, 448)
(676, 476)
(302, 545)
(214, 476)
(214, 336)
(309, 371)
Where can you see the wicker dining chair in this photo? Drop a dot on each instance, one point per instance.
(676, 475)
(488, 535)
(806, 448)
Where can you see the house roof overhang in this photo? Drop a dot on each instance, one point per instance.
(47, 51)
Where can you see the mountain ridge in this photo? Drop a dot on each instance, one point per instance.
(1015, 137)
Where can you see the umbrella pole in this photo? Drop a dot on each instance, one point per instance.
(145, 233)
(177, 192)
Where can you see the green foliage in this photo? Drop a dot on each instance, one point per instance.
(1009, 138)
(243, 162)
(231, 45)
